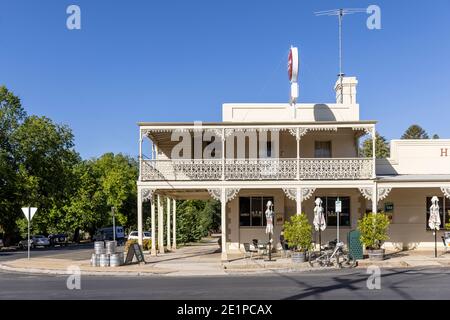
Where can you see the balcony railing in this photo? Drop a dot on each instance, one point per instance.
(257, 169)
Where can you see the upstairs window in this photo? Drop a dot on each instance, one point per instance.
(322, 149)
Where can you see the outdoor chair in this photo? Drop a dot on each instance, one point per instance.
(285, 250)
(249, 251)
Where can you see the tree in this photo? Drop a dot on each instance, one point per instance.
(196, 218)
(117, 176)
(374, 230)
(12, 115)
(298, 232)
(87, 206)
(45, 156)
(40, 167)
(188, 223)
(415, 132)
(382, 150)
(210, 217)
(436, 136)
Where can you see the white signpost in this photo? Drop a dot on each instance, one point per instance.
(338, 211)
(29, 213)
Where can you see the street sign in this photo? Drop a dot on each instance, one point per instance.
(338, 206)
(29, 213)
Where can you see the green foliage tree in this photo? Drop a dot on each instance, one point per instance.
(436, 136)
(109, 181)
(117, 177)
(40, 167)
(87, 206)
(44, 151)
(12, 115)
(415, 132)
(382, 150)
(188, 226)
(298, 232)
(195, 219)
(373, 228)
(210, 217)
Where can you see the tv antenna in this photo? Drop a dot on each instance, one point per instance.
(340, 13)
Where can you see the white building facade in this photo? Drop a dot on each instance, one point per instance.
(290, 155)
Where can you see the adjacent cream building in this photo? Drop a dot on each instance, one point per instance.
(290, 155)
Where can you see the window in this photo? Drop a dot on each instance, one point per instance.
(444, 211)
(329, 207)
(252, 211)
(269, 149)
(322, 149)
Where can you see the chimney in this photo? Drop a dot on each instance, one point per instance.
(349, 90)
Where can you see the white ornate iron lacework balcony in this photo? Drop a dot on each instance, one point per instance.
(257, 169)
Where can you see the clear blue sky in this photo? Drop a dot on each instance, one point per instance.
(180, 60)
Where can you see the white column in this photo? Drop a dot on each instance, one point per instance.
(223, 154)
(160, 226)
(298, 154)
(139, 222)
(299, 201)
(374, 150)
(375, 199)
(223, 227)
(174, 217)
(153, 228)
(168, 223)
(140, 154)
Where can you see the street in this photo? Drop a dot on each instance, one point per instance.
(405, 284)
(75, 252)
(332, 284)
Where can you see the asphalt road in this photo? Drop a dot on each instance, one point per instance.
(332, 284)
(75, 252)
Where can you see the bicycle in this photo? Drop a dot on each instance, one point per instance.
(332, 255)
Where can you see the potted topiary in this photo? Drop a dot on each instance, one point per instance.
(373, 228)
(298, 235)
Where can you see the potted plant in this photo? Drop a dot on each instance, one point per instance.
(298, 234)
(373, 228)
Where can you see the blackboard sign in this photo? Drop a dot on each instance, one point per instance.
(135, 250)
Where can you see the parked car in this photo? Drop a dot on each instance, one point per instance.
(35, 241)
(134, 235)
(107, 234)
(58, 239)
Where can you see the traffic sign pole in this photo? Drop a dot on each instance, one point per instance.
(338, 211)
(113, 212)
(29, 219)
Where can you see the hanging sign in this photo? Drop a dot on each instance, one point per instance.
(338, 206)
